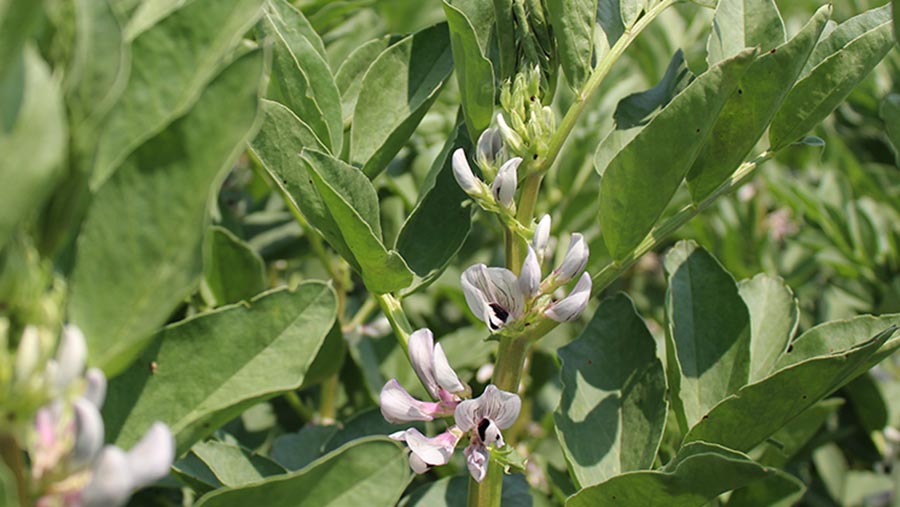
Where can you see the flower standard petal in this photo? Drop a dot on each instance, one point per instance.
(530, 276)
(71, 356)
(397, 406)
(477, 458)
(444, 374)
(499, 406)
(463, 173)
(571, 306)
(575, 260)
(504, 186)
(421, 357)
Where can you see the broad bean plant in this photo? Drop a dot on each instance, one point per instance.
(311, 253)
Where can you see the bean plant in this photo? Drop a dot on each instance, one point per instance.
(518, 253)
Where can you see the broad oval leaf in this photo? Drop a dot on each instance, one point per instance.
(828, 84)
(641, 180)
(739, 24)
(779, 398)
(353, 203)
(573, 26)
(178, 56)
(248, 352)
(613, 408)
(698, 474)
(232, 465)
(473, 71)
(708, 343)
(232, 270)
(774, 317)
(372, 472)
(396, 92)
(139, 248)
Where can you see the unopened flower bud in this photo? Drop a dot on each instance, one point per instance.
(88, 433)
(571, 306)
(504, 186)
(28, 355)
(95, 392)
(149, 460)
(71, 356)
(489, 145)
(510, 137)
(530, 277)
(575, 260)
(541, 236)
(463, 173)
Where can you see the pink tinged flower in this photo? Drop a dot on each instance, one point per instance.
(530, 277)
(463, 173)
(493, 294)
(504, 186)
(431, 365)
(398, 406)
(428, 452)
(477, 457)
(484, 417)
(571, 306)
(575, 260)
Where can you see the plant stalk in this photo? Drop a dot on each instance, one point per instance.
(12, 456)
(393, 310)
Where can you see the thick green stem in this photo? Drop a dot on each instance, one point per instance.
(516, 247)
(394, 313)
(487, 493)
(12, 456)
(328, 394)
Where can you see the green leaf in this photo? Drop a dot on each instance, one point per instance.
(613, 408)
(100, 61)
(573, 26)
(350, 74)
(610, 20)
(178, 57)
(329, 360)
(440, 222)
(774, 317)
(631, 10)
(844, 33)
(779, 398)
(8, 489)
(372, 472)
(233, 271)
(33, 139)
(787, 442)
(17, 20)
(829, 83)
(643, 177)
(233, 465)
(301, 78)
(739, 24)
(353, 203)
(778, 490)
(708, 343)
(639, 108)
(396, 92)
(698, 474)
(890, 114)
(139, 248)
(749, 110)
(294, 451)
(474, 72)
(248, 353)
(896, 15)
(838, 335)
(451, 492)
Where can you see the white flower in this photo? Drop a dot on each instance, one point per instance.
(463, 173)
(493, 294)
(575, 260)
(428, 452)
(510, 137)
(541, 237)
(71, 356)
(398, 406)
(530, 277)
(571, 306)
(484, 417)
(504, 186)
(488, 148)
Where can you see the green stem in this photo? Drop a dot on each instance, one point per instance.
(12, 456)
(393, 310)
(488, 492)
(524, 213)
(305, 413)
(361, 315)
(328, 394)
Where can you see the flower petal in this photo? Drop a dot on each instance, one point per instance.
(446, 377)
(417, 465)
(500, 406)
(489, 145)
(477, 458)
(150, 459)
(541, 236)
(504, 186)
(421, 357)
(95, 392)
(468, 414)
(493, 294)
(463, 173)
(111, 483)
(571, 306)
(436, 450)
(575, 260)
(397, 406)
(530, 277)
(71, 356)
(88, 433)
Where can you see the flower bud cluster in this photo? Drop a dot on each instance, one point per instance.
(499, 197)
(508, 303)
(530, 124)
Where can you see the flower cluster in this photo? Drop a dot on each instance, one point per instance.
(531, 124)
(504, 300)
(70, 467)
(481, 418)
(499, 197)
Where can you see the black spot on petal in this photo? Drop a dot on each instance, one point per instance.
(482, 428)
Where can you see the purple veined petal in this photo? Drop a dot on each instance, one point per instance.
(95, 392)
(500, 406)
(504, 186)
(477, 459)
(111, 483)
(446, 377)
(472, 282)
(436, 450)
(398, 406)
(575, 260)
(541, 237)
(463, 173)
(468, 414)
(88, 433)
(150, 459)
(493, 294)
(71, 356)
(489, 145)
(421, 357)
(571, 306)
(530, 277)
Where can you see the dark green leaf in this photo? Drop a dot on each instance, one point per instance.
(233, 271)
(776, 400)
(573, 26)
(699, 473)
(439, 224)
(708, 343)
(631, 10)
(780, 489)
(890, 114)
(248, 352)
(451, 492)
(353, 203)
(610, 20)
(139, 249)
(473, 71)
(395, 94)
(371, 472)
(178, 57)
(235, 466)
(749, 110)
(17, 19)
(778, 450)
(613, 408)
(829, 83)
(774, 317)
(740, 24)
(639, 108)
(643, 177)
(301, 78)
(296, 450)
(839, 335)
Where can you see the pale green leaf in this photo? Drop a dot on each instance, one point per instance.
(740, 24)
(774, 317)
(631, 10)
(17, 20)
(350, 74)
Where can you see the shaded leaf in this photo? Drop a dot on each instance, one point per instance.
(774, 317)
(778, 490)
(294, 451)
(233, 271)
(248, 353)
(573, 26)
(639, 108)
(739, 24)
(451, 492)
(474, 71)
(781, 447)
(890, 114)
(613, 408)
(234, 466)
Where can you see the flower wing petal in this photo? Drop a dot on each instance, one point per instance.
(446, 377)
(500, 406)
(398, 406)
